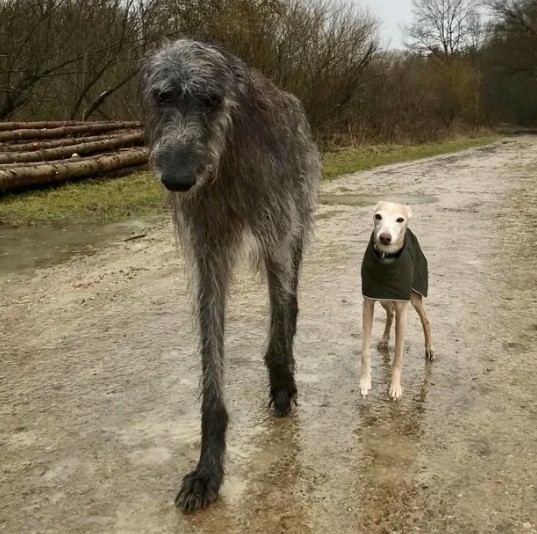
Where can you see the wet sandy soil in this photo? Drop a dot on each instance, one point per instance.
(99, 415)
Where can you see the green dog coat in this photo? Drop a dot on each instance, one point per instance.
(396, 279)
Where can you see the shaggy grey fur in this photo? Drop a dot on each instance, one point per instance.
(238, 157)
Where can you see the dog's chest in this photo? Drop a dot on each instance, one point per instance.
(394, 278)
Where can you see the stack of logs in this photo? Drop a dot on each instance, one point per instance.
(40, 153)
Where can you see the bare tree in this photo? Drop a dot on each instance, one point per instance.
(510, 57)
(69, 55)
(514, 35)
(444, 27)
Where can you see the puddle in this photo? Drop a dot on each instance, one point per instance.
(352, 199)
(26, 248)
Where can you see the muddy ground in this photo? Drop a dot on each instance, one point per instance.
(99, 376)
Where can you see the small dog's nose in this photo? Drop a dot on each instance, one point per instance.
(385, 238)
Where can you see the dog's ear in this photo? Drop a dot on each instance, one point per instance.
(377, 207)
(408, 212)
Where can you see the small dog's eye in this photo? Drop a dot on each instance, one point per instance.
(378, 216)
(400, 220)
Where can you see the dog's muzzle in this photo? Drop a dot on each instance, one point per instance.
(176, 169)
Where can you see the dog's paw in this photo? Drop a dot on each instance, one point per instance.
(197, 491)
(396, 391)
(430, 353)
(383, 344)
(365, 385)
(282, 400)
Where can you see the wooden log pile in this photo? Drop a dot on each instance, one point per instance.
(33, 154)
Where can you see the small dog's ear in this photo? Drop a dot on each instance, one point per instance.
(408, 212)
(377, 207)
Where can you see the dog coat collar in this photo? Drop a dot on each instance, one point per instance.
(385, 255)
(397, 279)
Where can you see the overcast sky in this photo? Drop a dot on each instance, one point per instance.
(391, 14)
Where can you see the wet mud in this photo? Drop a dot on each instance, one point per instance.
(99, 416)
(27, 248)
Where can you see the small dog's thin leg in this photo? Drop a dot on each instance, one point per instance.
(385, 339)
(367, 327)
(400, 322)
(417, 302)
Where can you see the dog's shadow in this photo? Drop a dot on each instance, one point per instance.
(276, 471)
(389, 435)
(269, 493)
(411, 405)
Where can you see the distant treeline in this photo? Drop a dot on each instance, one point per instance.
(78, 59)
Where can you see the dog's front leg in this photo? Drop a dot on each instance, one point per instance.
(201, 486)
(400, 322)
(367, 327)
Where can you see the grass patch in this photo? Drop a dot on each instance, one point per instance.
(134, 195)
(349, 160)
(140, 194)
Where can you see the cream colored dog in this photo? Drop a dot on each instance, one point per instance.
(394, 272)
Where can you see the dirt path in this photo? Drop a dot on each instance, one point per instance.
(99, 377)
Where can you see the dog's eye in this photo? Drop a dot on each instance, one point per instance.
(378, 216)
(164, 97)
(212, 100)
(400, 220)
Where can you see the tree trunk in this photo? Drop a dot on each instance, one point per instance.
(22, 125)
(8, 148)
(51, 133)
(81, 148)
(62, 171)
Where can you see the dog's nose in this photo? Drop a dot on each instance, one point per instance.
(180, 181)
(385, 238)
(176, 168)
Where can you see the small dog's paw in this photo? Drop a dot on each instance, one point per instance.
(430, 353)
(365, 385)
(198, 491)
(383, 344)
(396, 391)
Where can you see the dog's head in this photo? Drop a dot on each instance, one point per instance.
(391, 221)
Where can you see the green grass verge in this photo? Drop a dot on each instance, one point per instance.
(140, 194)
(134, 195)
(360, 159)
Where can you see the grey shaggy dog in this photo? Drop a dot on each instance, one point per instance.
(238, 157)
